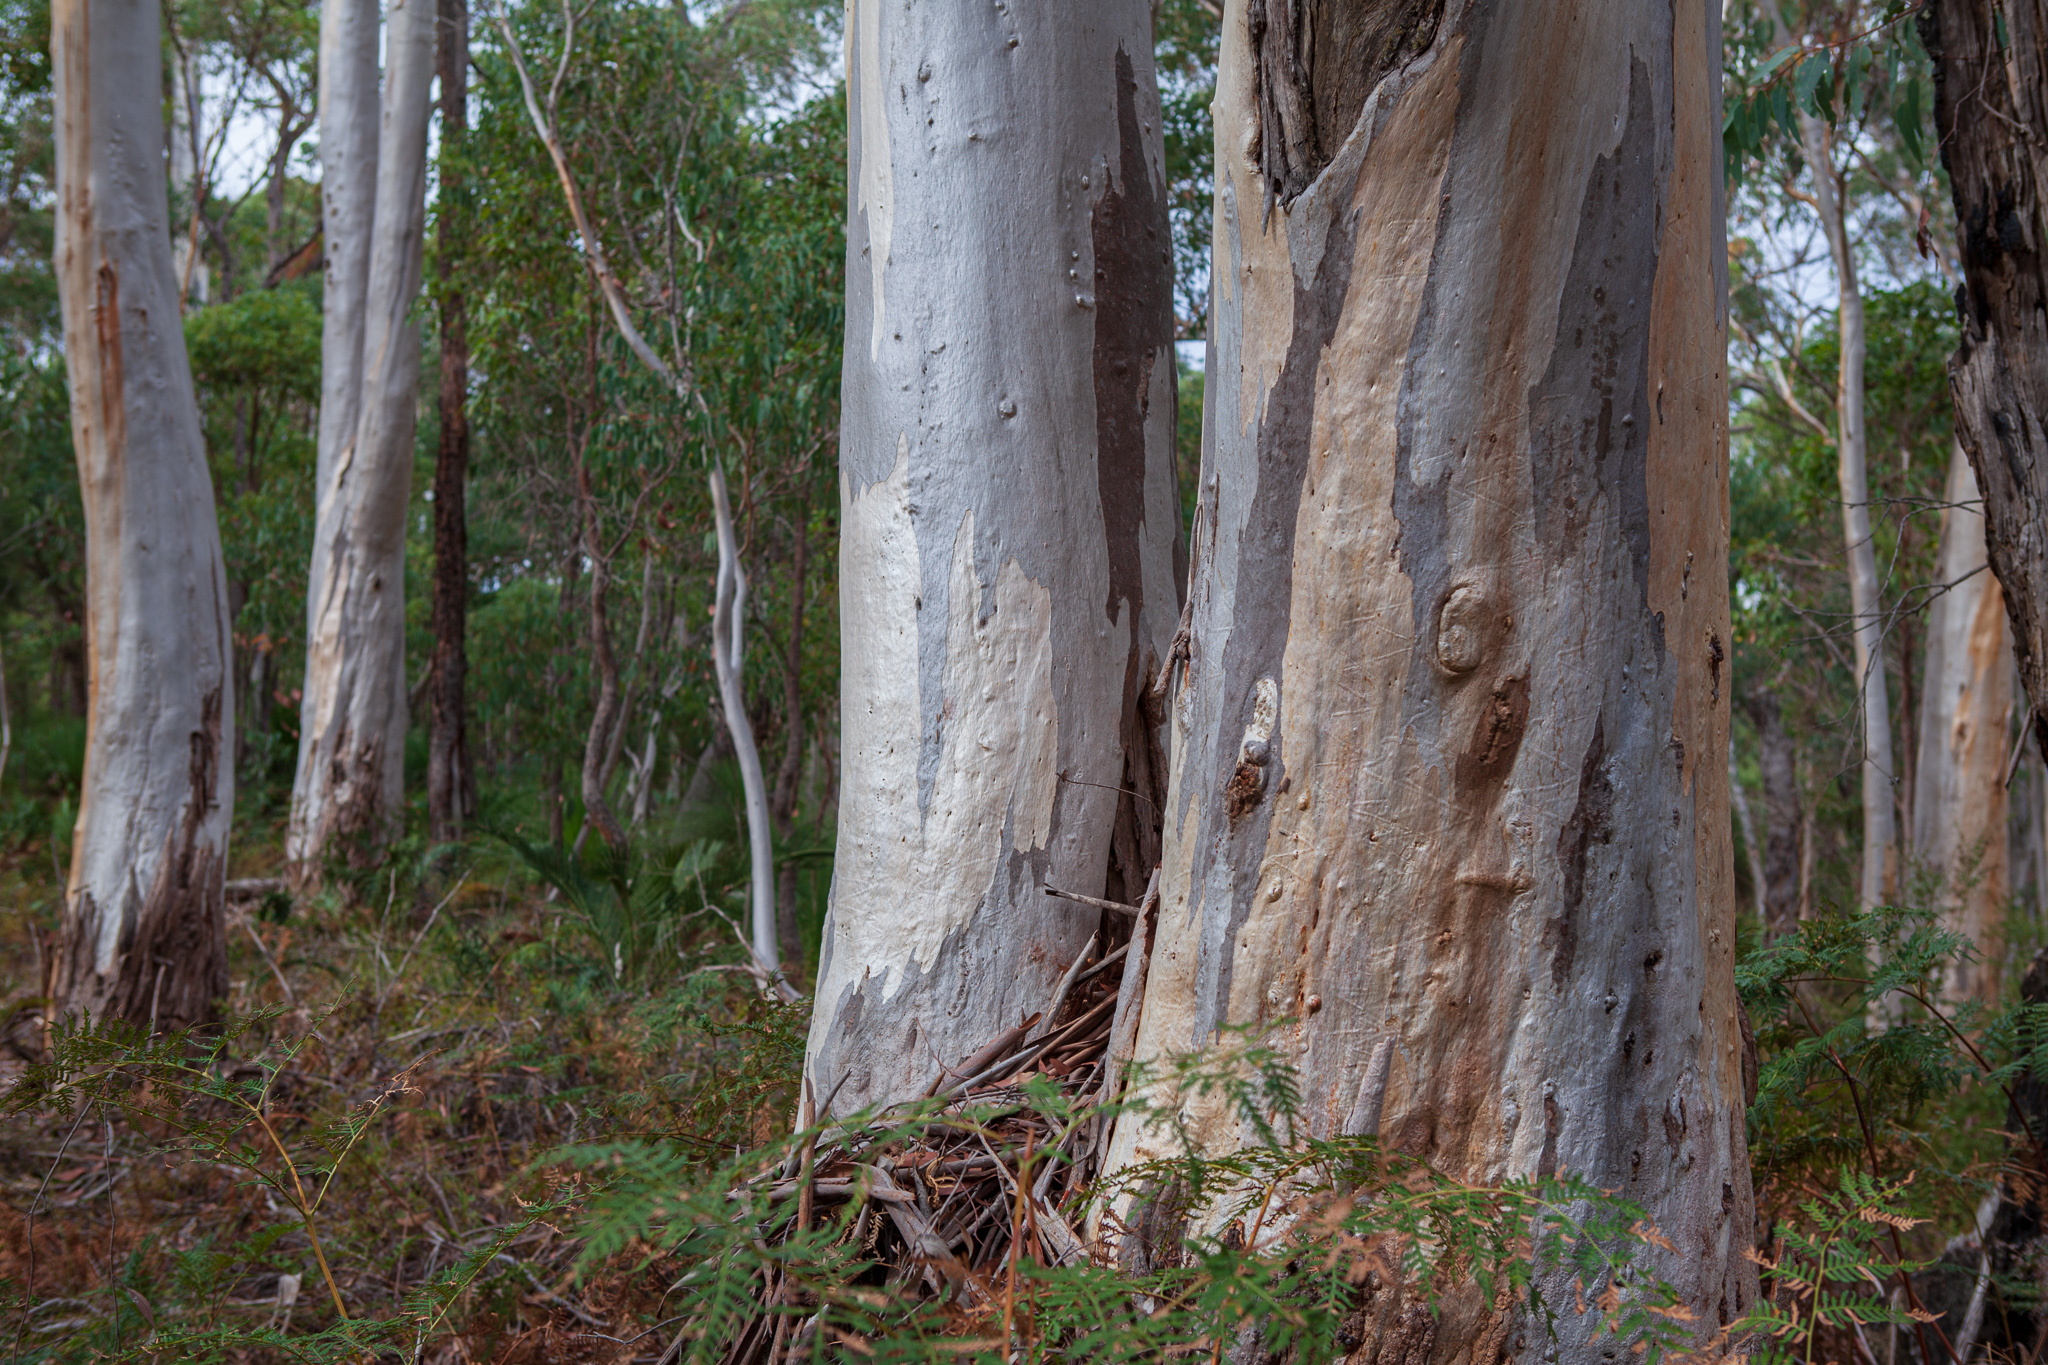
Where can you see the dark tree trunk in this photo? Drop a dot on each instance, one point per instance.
(554, 800)
(597, 812)
(67, 657)
(784, 806)
(1990, 88)
(451, 779)
(1781, 816)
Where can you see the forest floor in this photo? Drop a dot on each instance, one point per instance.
(395, 1147)
(465, 1032)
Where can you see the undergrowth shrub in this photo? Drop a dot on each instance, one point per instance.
(1280, 1237)
(1281, 1234)
(1880, 1107)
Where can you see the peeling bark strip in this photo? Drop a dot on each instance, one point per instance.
(1007, 559)
(1990, 107)
(349, 788)
(143, 931)
(1451, 756)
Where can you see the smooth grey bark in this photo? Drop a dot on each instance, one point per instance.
(1009, 521)
(348, 202)
(1960, 807)
(143, 924)
(349, 788)
(1852, 480)
(1450, 758)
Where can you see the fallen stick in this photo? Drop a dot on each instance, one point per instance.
(1059, 995)
(1005, 1040)
(1096, 901)
(1105, 964)
(1123, 1032)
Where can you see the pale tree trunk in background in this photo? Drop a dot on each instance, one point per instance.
(1450, 760)
(143, 928)
(1959, 807)
(1009, 520)
(1752, 847)
(1852, 479)
(348, 202)
(185, 105)
(728, 661)
(347, 796)
(1990, 107)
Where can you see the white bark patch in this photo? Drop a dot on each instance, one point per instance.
(1265, 712)
(876, 185)
(907, 881)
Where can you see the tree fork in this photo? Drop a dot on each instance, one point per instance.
(347, 796)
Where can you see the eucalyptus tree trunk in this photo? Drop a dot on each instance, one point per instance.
(1959, 807)
(143, 928)
(1852, 480)
(1450, 757)
(186, 135)
(347, 796)
(1009, 521)
(728, 661)
(1777, 762)
(451, 778)
(1990, 108)
(348, 202)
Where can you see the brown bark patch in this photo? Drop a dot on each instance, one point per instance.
(113, 389)
(358, 820)
(1241, 793)
(1990, 88)
(1490, 757)
(1158, 1230)
(1391, 1326)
